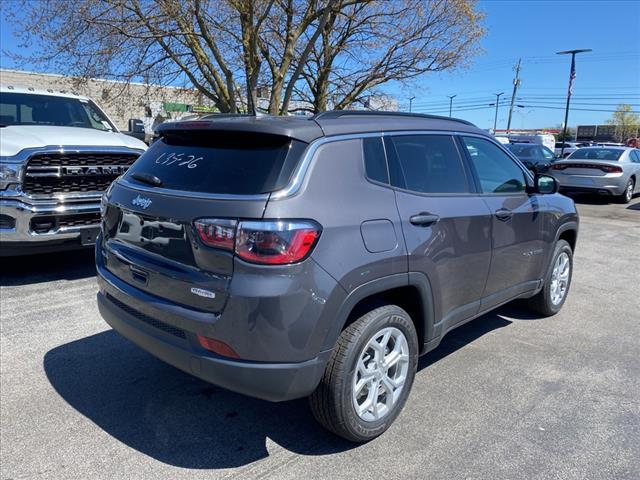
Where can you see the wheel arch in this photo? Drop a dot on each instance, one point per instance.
(568, 232)
(411, 292)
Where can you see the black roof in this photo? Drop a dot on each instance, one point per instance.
(331, 123)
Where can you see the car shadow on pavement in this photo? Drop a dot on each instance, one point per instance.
(30, 269)
(591, 199)
(183, 421)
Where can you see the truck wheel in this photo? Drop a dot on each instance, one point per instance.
(557, 281)
(369, 375)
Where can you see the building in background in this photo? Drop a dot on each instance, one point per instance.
(153, 104)
(601, 133)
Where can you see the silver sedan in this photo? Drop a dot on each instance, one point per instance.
(602, 170)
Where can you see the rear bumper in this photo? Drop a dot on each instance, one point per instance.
(603, 185)
(269, 381)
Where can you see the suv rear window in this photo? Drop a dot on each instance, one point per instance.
(237, 163)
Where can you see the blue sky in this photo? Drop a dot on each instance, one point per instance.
(534, 31)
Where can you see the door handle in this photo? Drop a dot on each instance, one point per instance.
(503, 214)
(424, 219)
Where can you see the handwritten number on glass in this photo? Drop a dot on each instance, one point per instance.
(179, 159)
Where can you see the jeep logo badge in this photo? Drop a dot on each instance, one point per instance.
(141, 202)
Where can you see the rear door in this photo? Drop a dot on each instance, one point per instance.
(183, 184)
(445, 225)
(517, 221)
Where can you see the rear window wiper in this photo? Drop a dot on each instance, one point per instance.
(147, 178)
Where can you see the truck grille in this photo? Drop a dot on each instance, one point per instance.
(44, 224)
(64, 173)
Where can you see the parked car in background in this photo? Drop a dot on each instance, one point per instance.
(535, 157)
(546, 139)
(320, 257)
(602, 170)
(569, 148)
(58, 154)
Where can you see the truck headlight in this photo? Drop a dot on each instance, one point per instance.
(9, 173)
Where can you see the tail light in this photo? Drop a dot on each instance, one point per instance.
(274, 242)
(604, 168)
(216, 233)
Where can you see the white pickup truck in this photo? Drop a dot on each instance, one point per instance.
(58, 154)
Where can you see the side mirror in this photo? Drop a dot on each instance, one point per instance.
(136, 125)
(546, 184)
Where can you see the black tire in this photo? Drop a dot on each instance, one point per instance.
(627, 195)
(541, 303)
(332, 403)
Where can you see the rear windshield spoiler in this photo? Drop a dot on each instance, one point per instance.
(300, 129)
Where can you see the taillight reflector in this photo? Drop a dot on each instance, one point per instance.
(216, 346)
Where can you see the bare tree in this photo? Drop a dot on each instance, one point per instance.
(318, 49)
(370, 43)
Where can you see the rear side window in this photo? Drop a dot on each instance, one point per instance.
(426, 164)
(220, 162)
(375, 161)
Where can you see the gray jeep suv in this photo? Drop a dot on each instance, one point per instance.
(291, 257)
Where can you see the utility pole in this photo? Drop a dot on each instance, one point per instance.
(495, 119)
(516, 84)
(572, 76)
(411, 102)
(451, 97)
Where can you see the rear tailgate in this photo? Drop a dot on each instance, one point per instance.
(149, 238)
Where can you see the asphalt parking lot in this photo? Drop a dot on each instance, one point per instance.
(507, 396)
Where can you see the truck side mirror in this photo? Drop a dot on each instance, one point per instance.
(136, 125)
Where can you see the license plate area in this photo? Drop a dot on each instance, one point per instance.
(88, 236)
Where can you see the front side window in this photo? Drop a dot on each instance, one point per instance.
(497, 172)
(426, 164)
(32, 109)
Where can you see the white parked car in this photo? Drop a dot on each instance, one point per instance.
(58, 154)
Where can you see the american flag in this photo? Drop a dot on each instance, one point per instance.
(572, 75)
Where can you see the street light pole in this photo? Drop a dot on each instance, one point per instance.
(451, 97)
(411, 102)
(572, 76)
(495, 119)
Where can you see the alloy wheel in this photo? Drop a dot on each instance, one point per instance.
(560, 278)
(380, 375)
